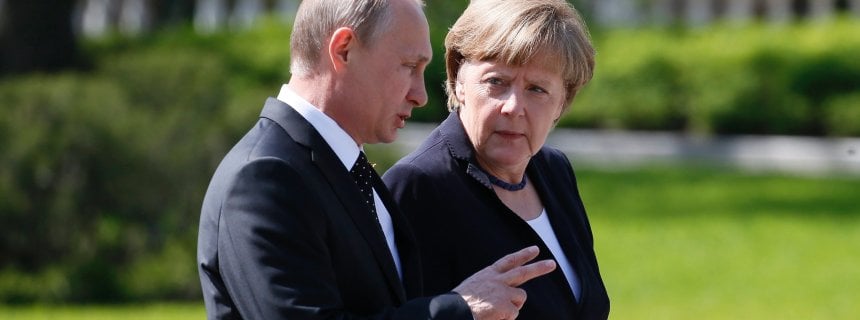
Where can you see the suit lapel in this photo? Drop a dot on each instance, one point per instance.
(563, 228)
(341, 183)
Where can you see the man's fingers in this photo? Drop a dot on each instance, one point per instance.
(515, 259)
(492, 293)
(518, 298)
(519, 275)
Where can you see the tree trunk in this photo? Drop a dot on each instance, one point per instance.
(37, 36)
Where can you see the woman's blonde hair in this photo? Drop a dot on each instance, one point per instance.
(515, 31)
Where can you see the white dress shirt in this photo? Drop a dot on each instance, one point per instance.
(347, 151)
(544, 230)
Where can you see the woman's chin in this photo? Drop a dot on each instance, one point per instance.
(507, 158)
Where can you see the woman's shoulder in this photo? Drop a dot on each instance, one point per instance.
(553, 157)
(552, 164)
(429, 162)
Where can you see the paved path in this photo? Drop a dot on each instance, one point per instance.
(804, 155)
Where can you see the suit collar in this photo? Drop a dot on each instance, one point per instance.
(337, 138)
(340, 181)
(456, 139)
(460, 148)
(292, 122)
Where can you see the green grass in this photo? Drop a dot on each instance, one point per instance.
(165, 311)
(708, 244)
(684, 243)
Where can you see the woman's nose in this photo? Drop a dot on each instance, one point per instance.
(513, 105)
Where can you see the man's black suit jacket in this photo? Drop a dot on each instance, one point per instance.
(285, 234)
(461, 224)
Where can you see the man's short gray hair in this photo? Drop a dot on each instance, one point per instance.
(316, 20)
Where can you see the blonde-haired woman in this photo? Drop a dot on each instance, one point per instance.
(483, 183)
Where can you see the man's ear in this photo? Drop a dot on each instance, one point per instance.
(341, 43)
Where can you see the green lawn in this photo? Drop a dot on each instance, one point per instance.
(169, 311)
(707, 244)
(685, 243)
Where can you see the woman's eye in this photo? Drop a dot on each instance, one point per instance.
(494, 81)
(538, 89)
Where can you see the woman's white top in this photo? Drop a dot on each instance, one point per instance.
(544, 230)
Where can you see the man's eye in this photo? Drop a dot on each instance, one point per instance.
(413, 67)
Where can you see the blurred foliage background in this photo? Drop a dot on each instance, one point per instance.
(104, 160)
(801, 79)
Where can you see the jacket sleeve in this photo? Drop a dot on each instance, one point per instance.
(274, 259)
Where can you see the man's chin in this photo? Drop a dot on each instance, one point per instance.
(389, 138)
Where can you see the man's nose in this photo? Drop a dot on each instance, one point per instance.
(418, 93)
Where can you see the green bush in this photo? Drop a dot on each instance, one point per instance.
(721, 79)
(842, 115)
(49, 285)
(65, 136)
(642, 97)
(66, 143)
(109, 169)
(764, 103)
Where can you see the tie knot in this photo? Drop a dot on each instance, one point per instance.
(361, 164)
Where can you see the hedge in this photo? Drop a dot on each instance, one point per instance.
(758, 79)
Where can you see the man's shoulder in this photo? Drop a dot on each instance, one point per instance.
(266, 139)
(265, 142)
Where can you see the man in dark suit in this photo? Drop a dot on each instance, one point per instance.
(296, 225)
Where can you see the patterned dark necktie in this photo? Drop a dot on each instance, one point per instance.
(362, 172)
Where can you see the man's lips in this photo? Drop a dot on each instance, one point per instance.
(402, 118)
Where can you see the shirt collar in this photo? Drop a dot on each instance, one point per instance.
(343, 145)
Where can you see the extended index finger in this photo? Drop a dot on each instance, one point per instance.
(519, 275)
(515, 259)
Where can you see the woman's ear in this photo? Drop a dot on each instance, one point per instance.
(561, 108)
(557, 116)
(341, 43)
(558, 112)
(458, 91)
